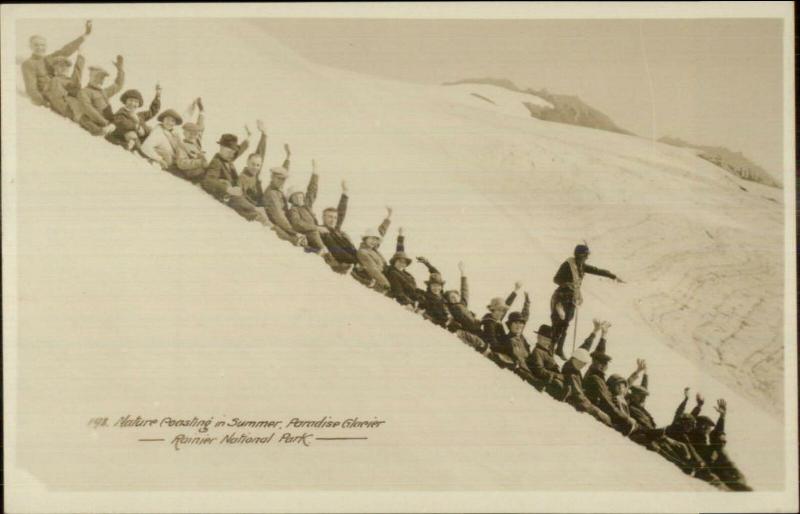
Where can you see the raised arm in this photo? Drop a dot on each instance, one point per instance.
(313, 186)
(526, 307)
(155, 105)
(682, 407)
(342, 207)
(698, 405)
(427, 264)
(513, 295)
(119, 81)
(464, 285)
(400, 246)
(77, 74)
(641, 365)
(384, 226)
(70, 48)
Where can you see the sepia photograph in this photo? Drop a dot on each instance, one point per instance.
(399, 257)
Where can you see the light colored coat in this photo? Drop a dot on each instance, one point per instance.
(162, 145)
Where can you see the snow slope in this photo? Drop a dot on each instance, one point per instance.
(510, 196)
(503, 100)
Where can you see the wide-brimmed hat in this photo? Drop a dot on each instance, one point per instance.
(639, 389)
(171, 114)
(705, 421)
(435, 278)
(131, 93)
(497, 303)
(600, 357)
(515, 317)
(400, 256)
(279, 171)
(614, 380)
(61, 60)
(371, 232)
(545, 331)
(582, 355)
(97, 69)
(229, 141)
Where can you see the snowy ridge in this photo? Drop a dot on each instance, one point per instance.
(513, 195)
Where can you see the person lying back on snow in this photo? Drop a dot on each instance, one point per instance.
(190, 158)
(275, 204)
(222, 181)
(93, 108)
(162, 143)
(342, 251)
(568, 294)
(403, 286)
(708, 439)
(545, 372)
(38, 69)
(515, 346)
(371, 263)
(458, 305)
(62, 90)
(571, 370)
(596, 389)
(492, 330)
(131, 126)
(680, 430)
(301, 213)
(432, 302)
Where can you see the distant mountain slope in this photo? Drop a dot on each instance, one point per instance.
(567, 109)
(729, 160)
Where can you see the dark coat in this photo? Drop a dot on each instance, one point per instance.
(543, 366)
(462, 317)
(494, 332)
(127, 121)
(221, 174)
(435, 308)
(302, 217)
(403, 285)
(596, 390)
(337, 241)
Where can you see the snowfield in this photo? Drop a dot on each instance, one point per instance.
(510, 196)
(502, 100)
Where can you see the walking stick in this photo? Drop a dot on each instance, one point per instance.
(575, 332)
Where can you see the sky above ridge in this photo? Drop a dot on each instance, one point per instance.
(711, 82)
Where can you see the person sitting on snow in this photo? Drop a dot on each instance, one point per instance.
(343, 252)
(371, 263)
(94, 111)
(403, 286)
(515, 345)
(709, 440)
(131, 126)
(250, 179)
(38, 69)
(222, 180)
(596, 390)
(573, 378)
(680, 430)
(190, 158)
(432, 303)
(618, 386)
(567, 297)
(301, 213)
(492, 330)
(161, 145)
(61, 92)
(543, 368)
(463, 320)
(275, 204)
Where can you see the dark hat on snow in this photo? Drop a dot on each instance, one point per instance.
(545, 331)
(229, 141)
(582, 250)
(614, 380)
(435, 278)
(704, 421)
(515, 317)
(172, 114)
(601, 357)
(131, 93)
(398, 256)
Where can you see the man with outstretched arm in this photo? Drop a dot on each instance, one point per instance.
(567, 297)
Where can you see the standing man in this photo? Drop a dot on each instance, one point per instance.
(567, 297)
(37, 70)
